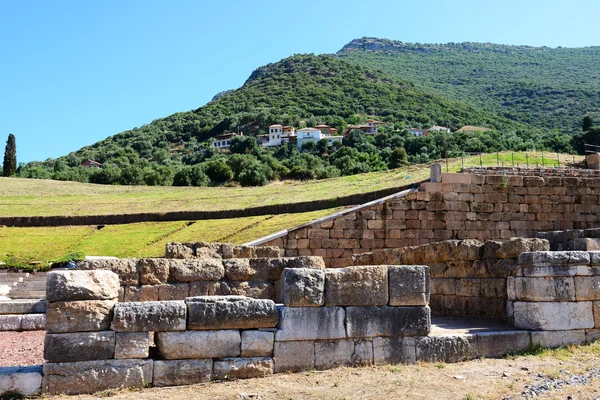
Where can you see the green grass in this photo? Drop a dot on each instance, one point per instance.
(31, 197)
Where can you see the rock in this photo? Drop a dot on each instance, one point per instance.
(226, 250)
(267, 252)
(151, 316)
(302, 287)
(176, 291)
(267, 269)
(255, 290)
(96, 376)
(230, 312)
(33, 322)
(243, 252)
(257, 343)
(554, 258)
(27, 381)
(336, 353)
(409, 285)
(543, 289)
(553, 316)
(10, 322)
(363, 322)
(514, 247)
(82, 285)
(393, 350)
(141, 293)
(198, 344)
(311, 262)
(153, 271)
(294, 356)
(79, 316)
(587, 287)
(239, 269)
(181, 372)
(179, 251)
(310, 323)
(79, 346)
(132, 345)
(204, 269)
(498, 344)
(243, 368)
(125, 268)
(448, 349)
(557, 338)
(207, 250)
(361, 286)
(489, 248)
(22, 307)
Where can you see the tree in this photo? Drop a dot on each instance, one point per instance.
(398, 158)
(587, 123)
(242, 144)
(10, 157)
(218, 171)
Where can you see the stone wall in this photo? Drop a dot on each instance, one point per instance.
(573, 239)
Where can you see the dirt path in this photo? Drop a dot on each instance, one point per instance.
(21, 348)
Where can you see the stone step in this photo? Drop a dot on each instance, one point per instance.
(33, 306)
(14, 274)
(28, 295)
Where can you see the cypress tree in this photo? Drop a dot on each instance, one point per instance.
(9, 168)
(587, 123)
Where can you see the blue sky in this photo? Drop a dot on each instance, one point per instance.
(75, 72)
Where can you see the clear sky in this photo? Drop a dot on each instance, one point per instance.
(74, 72)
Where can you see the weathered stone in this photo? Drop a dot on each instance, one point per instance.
(226, 250)
(79, 316)
(514, 247)
(596, 309)
(555, 270)
(409, 285)
(22, 307)
(179, 251)
(125, 268)
(141, 293)
(594, 258)
(360, 286)
(587, 244)
(542, 289)
(132, 345)
(554, 258)
(80, 346)
(267, 252)
(256, 290)
(267, 269)
(181, 372)
(230, 312)
(294, 356)
(198, 344)
(10, 322)
(365, 322)
(592, 335)
(33, 322)
(243, 368)
(498, 344)
(557, 338)
(202, 288)
(302, 287)
(489, 248)
(239, 269)
(310, 323)
(82, 285)
(493, 287)
(207, 250)
(96, 376)
(203, 269)
(153, 271)
(151, 316)
(176, 291)
(27, 381)
(448, 349)
(587, 287)
(257, 343)
(243, 252)
(336, 353)
(393, 350)
(311, 262)
(553, 316)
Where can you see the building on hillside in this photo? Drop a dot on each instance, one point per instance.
(368, 128)
(471, 128)
(418, 132)
(314, 135)
(262, 140)
(439, 128)
(90, 164)
(279, 134)
(327, 130)
(223, 141)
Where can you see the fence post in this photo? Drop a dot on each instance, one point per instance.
(497, 159)
(480, 161)
(558, 159)
(435, 172)
(513, 159)
(527, 159)
(543, 163)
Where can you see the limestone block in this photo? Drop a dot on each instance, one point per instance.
(239, 269)
(207, 250)
(33, 322)
(10, 322)
(555, 270)
(243, 368)
(153, 271)
(257, 343)
(557, 338)
(256, 290)
(132, 345)
(179, 251)
(363, 322)
(336, 353)
(173, 291)
(266, 269)
(203, 269)
(151, 316)
(594, 257)
(587, 287)
(493, 288)
(294, 356)
(141, 293)
(498, 344)
(226, 250)
(589, 244)
(198, 344)
(361, 286)
(27, 381)
(230, 312)
(393, 350)
(443, 286)
(553, 316)
(409, 285)
(125, 268)
(303, 287)
(596, 308)
(243, 252)
(310, 323)
(592, 335)
(311, 262)
(268, 252)
(543, 289)
(468, 287)
(79, 346)
(82, 285)
(22, 307)
(514, 247)
(79, 316)
(448, 349)
(554, 258)
(181, 372)
(96, 376)
(202, 288)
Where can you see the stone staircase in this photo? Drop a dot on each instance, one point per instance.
(9, 280)
(31, 286)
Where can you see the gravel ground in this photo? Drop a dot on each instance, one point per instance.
(21, 348)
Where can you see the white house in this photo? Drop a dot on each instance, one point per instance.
(418, 132)
(314, 135)
(368, 128)
(439, 128)
(223, 141)
(279, 134)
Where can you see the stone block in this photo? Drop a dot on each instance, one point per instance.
(498, 344)
(82, 285)
(363, 322)
(408, 285)
(543, 289)
(175, 291)
(441, 286)
(311, 262)
(493, 288)
(393, 350)
(555, 270)
(468, 287)
(302, 287)
(239, 269)
(266, 269)
(22, 307)
(257, 343)
(154, 271)
(514, 247)
(79, 316)
(125, 268)
(592, 335)
(268, 252)
(230, 312)
(448, 349)
(256, 290)
(596, 309)
(243, 368)
(310, 323)
(361, 286)
(554, 258)
(27, 381)
(10, 322)
(96, 376)
(557, 338)
(294, 356)
(33, 322)
(179, 251)
(336, 353)
(587, 287)
(141, 293)
(151, 316)
(181, 372)
(553, 316)
(198, 344)
(132, 345)
(79, 346)
(202, 269)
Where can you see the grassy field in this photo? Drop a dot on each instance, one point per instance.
(30, 197)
